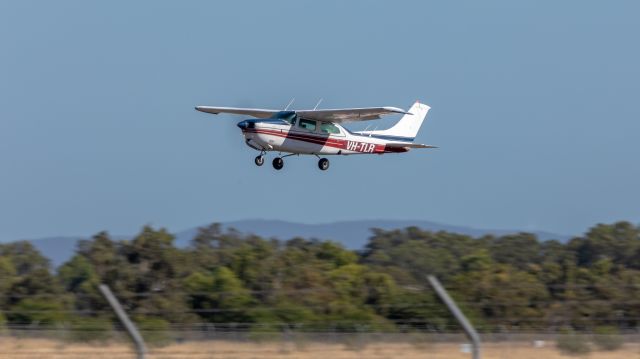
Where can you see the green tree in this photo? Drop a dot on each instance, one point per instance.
(418, 253)
(518, 250)
(619, 242)
(37, 311)
(8, 275)
(501, 291)
(24, 256)
(79, 276)
(218, 296)
(152, 264)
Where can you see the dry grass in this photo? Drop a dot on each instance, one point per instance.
(46, 348)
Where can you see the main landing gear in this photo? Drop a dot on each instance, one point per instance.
(323, 164)
(278, 163)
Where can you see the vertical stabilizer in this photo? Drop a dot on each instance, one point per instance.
(407, 128)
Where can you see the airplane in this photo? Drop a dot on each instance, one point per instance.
(320, 132)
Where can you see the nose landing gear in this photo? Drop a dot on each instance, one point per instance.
(259, 160)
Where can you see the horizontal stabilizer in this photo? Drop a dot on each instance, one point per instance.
(408, 145)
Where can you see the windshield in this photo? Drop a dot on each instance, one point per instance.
(289, 116)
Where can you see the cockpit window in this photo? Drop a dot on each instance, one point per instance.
(328, 127)
(307, 124)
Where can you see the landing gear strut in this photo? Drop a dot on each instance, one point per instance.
(278, 163)
(323, 164)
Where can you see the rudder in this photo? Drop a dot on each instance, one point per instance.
(408, 126)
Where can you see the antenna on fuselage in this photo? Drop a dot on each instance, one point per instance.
(366, 128)
(290, 103)
(318, 104)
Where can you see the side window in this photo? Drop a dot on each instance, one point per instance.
(328, 127)
(308, 125)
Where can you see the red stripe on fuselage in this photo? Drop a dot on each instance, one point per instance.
(356, 146)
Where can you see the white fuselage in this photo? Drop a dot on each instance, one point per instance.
(312, 137)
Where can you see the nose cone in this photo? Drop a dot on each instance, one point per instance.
(243, 125)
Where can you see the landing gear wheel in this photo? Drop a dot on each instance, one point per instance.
(259, 160)
(278, 163)
(323, 164)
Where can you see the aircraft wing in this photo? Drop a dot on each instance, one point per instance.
(408, 145)
(335, 115)
(349, 114)
(254, 112)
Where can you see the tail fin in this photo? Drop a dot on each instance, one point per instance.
(407, 128)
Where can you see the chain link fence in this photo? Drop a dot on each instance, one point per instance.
(244, 341)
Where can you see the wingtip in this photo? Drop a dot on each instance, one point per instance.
(205, 109)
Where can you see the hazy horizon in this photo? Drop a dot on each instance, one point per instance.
(417, 222)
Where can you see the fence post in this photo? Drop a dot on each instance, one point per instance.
(141, 349)
(453, 308)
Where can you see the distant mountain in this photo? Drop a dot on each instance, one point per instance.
(352, 234)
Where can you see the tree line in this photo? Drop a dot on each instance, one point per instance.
(223, 278)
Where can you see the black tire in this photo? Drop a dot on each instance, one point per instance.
(323, 164)
(259, 160)
(278, 163)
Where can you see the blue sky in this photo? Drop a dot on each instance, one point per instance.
(535, 106)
